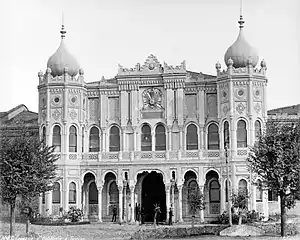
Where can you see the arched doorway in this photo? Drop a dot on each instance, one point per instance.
(153, 192)
(213, 193)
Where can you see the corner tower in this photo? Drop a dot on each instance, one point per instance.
(242, 95)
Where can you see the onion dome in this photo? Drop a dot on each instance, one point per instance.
(62, 59)
(241, 52)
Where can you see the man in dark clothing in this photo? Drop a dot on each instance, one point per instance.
(142, 215)
(137, 212)
(170, 216)
(114, 217)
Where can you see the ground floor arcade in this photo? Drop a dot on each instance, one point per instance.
(97, 198)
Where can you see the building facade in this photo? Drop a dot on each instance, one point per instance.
(152, 134)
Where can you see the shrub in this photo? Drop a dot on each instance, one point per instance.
(75, 214)
(249, 217)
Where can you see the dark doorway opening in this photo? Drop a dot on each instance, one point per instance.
(153, 192)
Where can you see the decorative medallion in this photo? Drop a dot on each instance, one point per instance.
(56, 114)
(73, 99)
(240, 108)
(152, 98)
(44, 114)
(225, 109)
(257, 107)
(241, 92)
(224, 94)
(151, 66)
(56, 100)
(73, 114)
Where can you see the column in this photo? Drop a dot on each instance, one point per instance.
(253, 197)
(233, 143)
(66, 199)
(153, 140)
(132, 204)
(223, 193)
(265, 205)
(86, 203)
(169, 138)
(168, 197)
(202, 210)
(48, 200)
(41, 203)
(100, 203)
(78, 195)
(120, 188)
(180, 202)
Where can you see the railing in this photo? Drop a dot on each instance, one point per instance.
(214, 208)
(173, 155)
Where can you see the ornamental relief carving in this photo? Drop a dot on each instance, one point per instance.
(225, 108)
(93, 109)
(240, 93)
(56, 100)
(152, 99)
(257, 107)
(241, 107)
(73, 114)
(43, 114)
(56, 113)
(73, 100)
(257, 93)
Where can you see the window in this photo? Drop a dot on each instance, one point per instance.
(192, 189)
(192, 137)
(243, 186)
(214, 191)
(146, 139)
(114, 139)
(213, 137)
(226, 135)
(272, 195)
(259, 191)
(73, 139)
(93, 193)
(160, 138)
(44, 135)
(56, 193)
(241, 134)
(94, 140)
(72, 193)
(56, 138)
(257, 127)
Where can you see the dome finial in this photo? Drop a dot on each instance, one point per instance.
(241, 21)
(62, 31)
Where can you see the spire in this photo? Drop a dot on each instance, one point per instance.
(63, 31)
(241, 21)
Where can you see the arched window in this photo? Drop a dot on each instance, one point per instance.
(56, 193)
(93, 193)
(44, 135)
(56, 138)
(192, 190)
(226, 135)
(214, 191)
(73, 139)
(213, 137)
(241, 134)
(257, 126)
(243, 186)
(94, 140)
(114, 139)
(191, 137)
(72, 192)
(160, 138)
(259, 191)
(146, 139)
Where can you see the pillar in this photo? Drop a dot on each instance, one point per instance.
(168, 197)
(66, 199)
(132, 204)
(100, 203)
(202, 210)
(223, 193)
(153, 140)
(180, 202)
(86, 204)
(48, 201)
(266, 205)
(120, 188)
(40, 203)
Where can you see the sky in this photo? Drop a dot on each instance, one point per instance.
(102, 34)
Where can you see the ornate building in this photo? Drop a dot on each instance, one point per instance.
(152, 134)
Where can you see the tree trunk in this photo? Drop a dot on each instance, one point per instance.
(27, 225)
(283, 214)
(240, 219)
(12, 220)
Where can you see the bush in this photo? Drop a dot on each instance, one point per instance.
(249, 217)
(74, 214)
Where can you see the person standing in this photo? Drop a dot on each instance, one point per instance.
(114, 217)
(137, 212)
(170, 216)
(142, 215)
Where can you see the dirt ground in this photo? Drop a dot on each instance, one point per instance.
(104, 231)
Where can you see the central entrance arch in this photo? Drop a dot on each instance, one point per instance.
(153, 192)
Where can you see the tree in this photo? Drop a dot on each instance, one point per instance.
(27, 168)
(275, 158)
(196, 203)
(240, 203)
